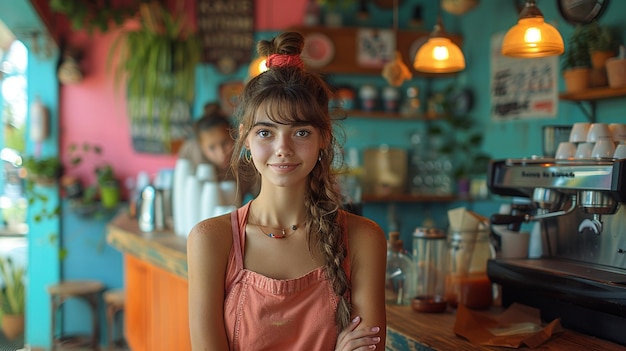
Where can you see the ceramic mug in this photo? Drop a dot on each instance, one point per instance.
(584, 150)
(599, 131)
(620, 152)
(618, 131)
(565, 150)
(579, 132)
(603, 149)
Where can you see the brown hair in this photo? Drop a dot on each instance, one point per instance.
(290, 94)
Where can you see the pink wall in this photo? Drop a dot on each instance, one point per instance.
(94, 111)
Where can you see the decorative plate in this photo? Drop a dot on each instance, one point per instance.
(581, 11)
(318, 51)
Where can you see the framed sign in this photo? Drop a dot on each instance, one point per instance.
(522, 88)
(226, 29)
(375, 47)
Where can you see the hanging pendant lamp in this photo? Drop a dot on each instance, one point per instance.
(532, 37)
(439, 54)
(257, 66)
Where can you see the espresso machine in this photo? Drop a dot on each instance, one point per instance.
(580, 205)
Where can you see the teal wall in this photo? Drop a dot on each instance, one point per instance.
(502, 139)
(43, 244)
(515, 138)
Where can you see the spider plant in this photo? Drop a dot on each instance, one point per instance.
(156, 63)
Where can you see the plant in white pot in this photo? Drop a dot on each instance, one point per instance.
(12, 298)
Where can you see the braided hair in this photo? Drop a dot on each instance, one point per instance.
(290, 94)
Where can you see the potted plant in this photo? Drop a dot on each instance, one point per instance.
(106, 188)
(332, 17)
(603, 44)
(576, 64)
(12, 298)
(43, 170)
(156, 62)
(92, 15)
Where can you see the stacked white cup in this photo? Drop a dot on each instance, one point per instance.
(594, 140)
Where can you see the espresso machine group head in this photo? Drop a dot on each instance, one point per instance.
(558, 187)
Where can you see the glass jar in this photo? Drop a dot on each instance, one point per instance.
(466, 279)
(429, 254)
(400, 276)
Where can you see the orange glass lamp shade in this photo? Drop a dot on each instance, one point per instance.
(532, 37)
(257, 66)
(439, 55)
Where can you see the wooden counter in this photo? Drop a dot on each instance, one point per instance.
(409, 330)
(156, 307)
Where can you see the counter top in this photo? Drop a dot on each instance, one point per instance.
(410, 330)
(162, 248)
(406, 329)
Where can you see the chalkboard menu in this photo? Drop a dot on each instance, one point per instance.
(226, 28)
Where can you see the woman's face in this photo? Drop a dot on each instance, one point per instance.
(217, 146)
(284, 154)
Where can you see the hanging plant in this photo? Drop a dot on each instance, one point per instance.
(92, 15)
(157, 63)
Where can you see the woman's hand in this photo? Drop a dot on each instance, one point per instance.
(352, 340)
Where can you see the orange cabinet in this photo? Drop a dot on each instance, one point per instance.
(157, 316)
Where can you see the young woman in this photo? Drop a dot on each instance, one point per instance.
(289, 270)
(213, 143)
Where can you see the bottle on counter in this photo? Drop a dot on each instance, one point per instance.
(400, 278)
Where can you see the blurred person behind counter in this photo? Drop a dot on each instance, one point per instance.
(213, 143)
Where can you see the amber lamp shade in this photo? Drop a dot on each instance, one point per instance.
(257, 66)
(439, 55)
(532, 37)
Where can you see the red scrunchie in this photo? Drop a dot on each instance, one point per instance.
(280, 60)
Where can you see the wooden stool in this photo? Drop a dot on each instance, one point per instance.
(87, 290)
(114, 300)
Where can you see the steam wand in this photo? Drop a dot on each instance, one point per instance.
(526, 217)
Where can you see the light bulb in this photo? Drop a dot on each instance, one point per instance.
(441, 53)
(532, 35)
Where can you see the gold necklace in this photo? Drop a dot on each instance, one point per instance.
(283, 234)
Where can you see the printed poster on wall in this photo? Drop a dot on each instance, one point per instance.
(522, 88)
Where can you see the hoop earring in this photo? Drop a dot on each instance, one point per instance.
(247, 156)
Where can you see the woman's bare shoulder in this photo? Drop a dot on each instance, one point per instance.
(212, 233)
(362, 228)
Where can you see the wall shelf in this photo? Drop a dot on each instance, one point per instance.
(391, 115)
(407, 198)
(591, 96)
(345, 43)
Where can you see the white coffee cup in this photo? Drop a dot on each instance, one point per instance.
(579, 131)
(513, 244)
(620, 152)
(618, 131)
(565, 150)
(603, 149)
(599, 131)
(584, 150)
